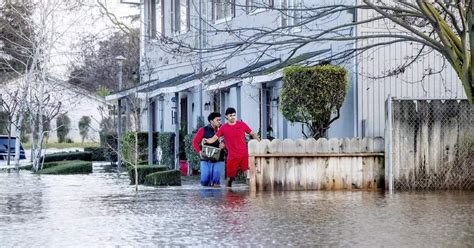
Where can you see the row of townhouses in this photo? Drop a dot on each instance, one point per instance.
(193, 62)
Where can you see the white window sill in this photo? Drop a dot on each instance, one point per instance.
(257, 11)
(296, 30)
(227, 19)
(180, 33)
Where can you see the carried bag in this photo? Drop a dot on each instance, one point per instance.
(210, 152)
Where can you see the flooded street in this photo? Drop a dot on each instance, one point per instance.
(102, 209)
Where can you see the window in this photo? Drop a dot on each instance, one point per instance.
(223, 9)
(155, 18)
(180, 17)
(292, 13)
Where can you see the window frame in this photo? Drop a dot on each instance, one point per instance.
(227, 15)
(292, 19)
(176, 20)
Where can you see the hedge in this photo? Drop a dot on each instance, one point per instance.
(143, 171)
(164, 178)
(127, 146)
(46, 165)
(191, 155)
(86, 156)
(166, 143)
(67, 167)
(97, 153)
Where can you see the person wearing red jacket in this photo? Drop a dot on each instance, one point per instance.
(211, 171)
(234, 134)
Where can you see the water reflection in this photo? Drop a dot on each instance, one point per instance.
(102, 209)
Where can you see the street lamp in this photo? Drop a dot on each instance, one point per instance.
(120, 60)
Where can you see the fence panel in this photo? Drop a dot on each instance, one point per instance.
(432, 144)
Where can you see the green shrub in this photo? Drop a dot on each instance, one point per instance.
(191, 155)
(86, 156)
(127, 147)
(84, 124)
(63, 124)
(67, 167)
(109, 142)
(97, 153)
(164, 178)
(26, 167)
(143, 171)
(311, 95)
(166, 143)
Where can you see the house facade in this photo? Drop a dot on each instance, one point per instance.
(183, 79)
(62, 97)
(201, 80)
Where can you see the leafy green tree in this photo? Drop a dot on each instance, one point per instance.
(84, 125)
(313, 96)
(97, 69)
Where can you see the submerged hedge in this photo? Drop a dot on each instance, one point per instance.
(143, 171)
(97, 153)
(85, 156)
(67, 167)
(164, 178)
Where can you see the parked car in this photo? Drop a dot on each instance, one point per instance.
(4, 148)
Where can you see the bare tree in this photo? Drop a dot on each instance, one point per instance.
(444, 26)
(30, 60)
(9, 103)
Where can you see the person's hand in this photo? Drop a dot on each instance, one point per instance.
(200, 154)
(221, 145)
(204, 141)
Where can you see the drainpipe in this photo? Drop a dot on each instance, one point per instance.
(239, 101)
(355, 85)
(263, 111)
(176, 131)
(150, 132)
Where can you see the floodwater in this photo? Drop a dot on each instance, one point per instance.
(102, 209)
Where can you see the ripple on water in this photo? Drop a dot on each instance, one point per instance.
(103, 209)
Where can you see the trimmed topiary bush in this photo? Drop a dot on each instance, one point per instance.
(63, 124)
(313, 96)
(143, 171)
(67, 167)
(84, 125)
(97, 153)
(164, 178)
(86, 156)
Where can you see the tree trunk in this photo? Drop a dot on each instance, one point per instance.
(39, 144)
(9, 145)
(469, 84)
(21, 116)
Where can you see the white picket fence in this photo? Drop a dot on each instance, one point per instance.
(322, 164)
